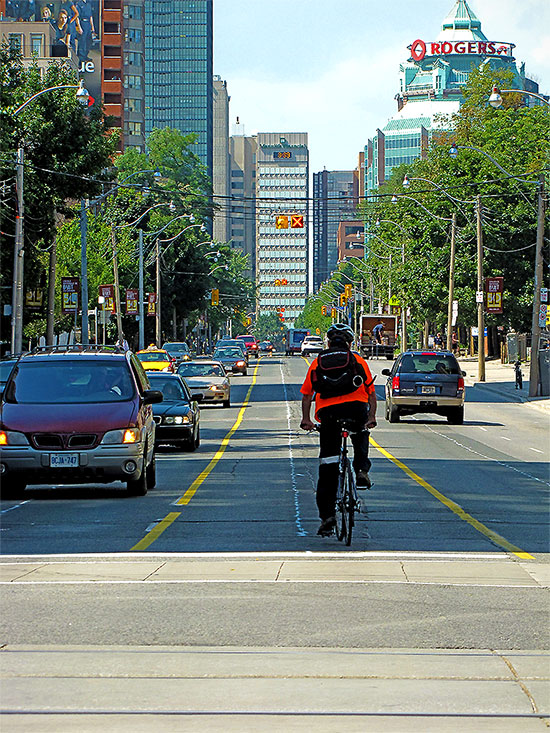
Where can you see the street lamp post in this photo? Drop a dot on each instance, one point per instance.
(19, 252)
(495, 100)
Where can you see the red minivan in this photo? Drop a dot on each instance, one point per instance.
(74, 415)
(251, 343)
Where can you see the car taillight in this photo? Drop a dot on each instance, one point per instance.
(460, 387)
(395, 383)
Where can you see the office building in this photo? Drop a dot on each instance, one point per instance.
(221, 172)
(134, 74)
(431, 82)
(282, 174)
(240, 207)
(178, 70)
(334, 199)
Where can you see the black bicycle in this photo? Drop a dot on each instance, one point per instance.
(347, 501)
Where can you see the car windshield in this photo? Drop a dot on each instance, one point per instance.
(153, 356)
(70, 382)
(176, 348)
(429, 364)
(227, 354)
(171, 389)
(201, 370)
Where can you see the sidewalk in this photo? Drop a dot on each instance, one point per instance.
(500, 378)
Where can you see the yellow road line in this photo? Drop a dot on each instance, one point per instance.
(458, 510)
(159, 528)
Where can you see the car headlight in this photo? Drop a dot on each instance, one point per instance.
(10, 437)
(240, 363)
(176, 419)
(125, 436)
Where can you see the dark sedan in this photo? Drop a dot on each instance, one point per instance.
(232, 360)
(177, 416)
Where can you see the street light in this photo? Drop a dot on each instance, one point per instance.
(495, 100)
(19, 252)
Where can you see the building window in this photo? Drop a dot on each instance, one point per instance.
(133, 35)
(132, 81)
(16, 41)
(134, 128)
(37, 44)
(132, 11)
(132, 105)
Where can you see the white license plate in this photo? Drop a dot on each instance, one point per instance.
(428, 390)
(63, 460)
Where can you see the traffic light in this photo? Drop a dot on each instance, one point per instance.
(333, 312)
(347, 290)
(215, 296)
(342, 300)
(324, 310)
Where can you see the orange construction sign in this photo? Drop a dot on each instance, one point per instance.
(297, 221)
(281, 222)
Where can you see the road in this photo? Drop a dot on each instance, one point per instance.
(448, 565)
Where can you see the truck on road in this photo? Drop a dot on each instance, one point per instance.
(293, 341)
(369, 345)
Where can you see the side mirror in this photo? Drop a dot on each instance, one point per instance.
(197, 397)
(386, 372)
(152, 396)
(463, 374)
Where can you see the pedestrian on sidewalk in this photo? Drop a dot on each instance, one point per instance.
(519, 375)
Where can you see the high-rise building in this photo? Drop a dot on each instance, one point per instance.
(282, 253)
(134, 74)
(221, 172)
(431, 82)
(334, 199)
(240, 207)
(178, 70)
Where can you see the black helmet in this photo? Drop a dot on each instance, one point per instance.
(340, 331)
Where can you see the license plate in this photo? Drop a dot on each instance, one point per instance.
(428, 390)
(63, 460)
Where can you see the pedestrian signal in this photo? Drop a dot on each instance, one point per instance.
(215, 296)
(281, 222)
(333, 312)
(297, 221)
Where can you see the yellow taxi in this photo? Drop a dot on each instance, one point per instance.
(154, 359)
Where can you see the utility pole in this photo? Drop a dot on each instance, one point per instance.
(534, 371)
(50, 315)
(451, 282)
(84, 271)
(403, 307)
(18, 259)
(157, 315)
(117, 291)
(480, 289)
(141, 309)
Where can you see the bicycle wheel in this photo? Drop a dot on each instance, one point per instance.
(350, 504)
(341, 517)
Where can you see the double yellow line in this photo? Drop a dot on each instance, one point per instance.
(163, 525)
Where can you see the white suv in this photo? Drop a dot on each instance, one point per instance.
(312, 345)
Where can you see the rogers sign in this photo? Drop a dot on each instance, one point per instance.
(419, 49)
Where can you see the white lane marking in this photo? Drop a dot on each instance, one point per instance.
(297, 514)
(535, 449)
(481, 428)
(488, 458)
(505, 438)
(340, 581)
(15, 506)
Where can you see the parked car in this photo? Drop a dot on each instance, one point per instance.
(6, 365)
(251, 343)
(178, 351)
(208, 379)
(425, 381)
(265, 347)
(237, 343)
(156, 360)
(232, 359)
(177, 417)
(312, 345)
(77, 414)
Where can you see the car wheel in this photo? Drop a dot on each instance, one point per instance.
(152, 473)
(387, 410)
(227, 403)
(394, 414)
(198, 437)
(138, 487)
(12, 489)
(455, 416)
(245, 373)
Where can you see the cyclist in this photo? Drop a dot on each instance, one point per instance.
(358, 406)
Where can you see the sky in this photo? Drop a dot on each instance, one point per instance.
(330, 67)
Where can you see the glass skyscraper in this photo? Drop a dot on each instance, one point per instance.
(179, 70)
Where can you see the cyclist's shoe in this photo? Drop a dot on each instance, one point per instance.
(363, 480)
(326, 528)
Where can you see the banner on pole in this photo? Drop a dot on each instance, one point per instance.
(132, 302)
(108, 292)
(151, 304)
(70, 287)
(494, 287)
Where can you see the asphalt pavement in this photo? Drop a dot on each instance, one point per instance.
(55, 686)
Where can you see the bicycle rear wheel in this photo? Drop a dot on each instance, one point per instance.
(341, 516)
(350, 505)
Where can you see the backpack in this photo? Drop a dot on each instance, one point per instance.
(337, 373)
